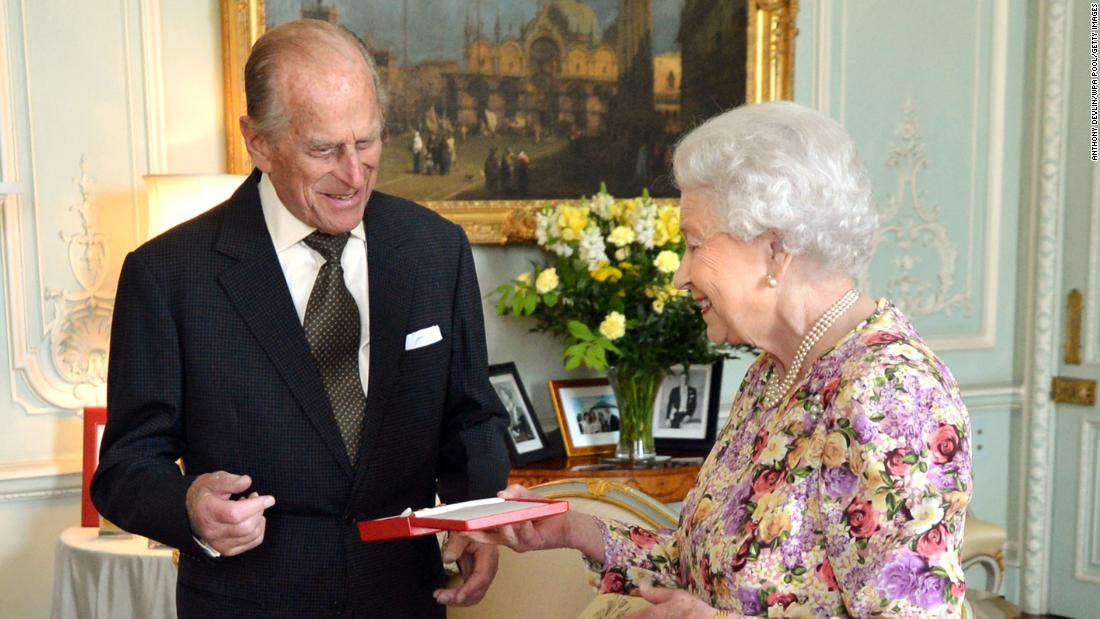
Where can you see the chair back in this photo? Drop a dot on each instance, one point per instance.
(553, 584)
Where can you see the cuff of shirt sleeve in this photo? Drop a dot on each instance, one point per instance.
(210, 552)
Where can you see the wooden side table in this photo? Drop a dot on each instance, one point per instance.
(667, 481)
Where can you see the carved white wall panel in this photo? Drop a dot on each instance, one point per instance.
(912, 235)
(1053, 40)
(947, 278)
(1087, 561)
(62, 241)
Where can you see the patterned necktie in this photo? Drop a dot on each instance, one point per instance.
(332, 328)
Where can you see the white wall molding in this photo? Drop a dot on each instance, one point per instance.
(1091, 332)
(823, 53)
(156, 142)
(49, 479)
(1086, 565)
(1049, 170)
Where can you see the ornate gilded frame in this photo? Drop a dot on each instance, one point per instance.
(770, 75)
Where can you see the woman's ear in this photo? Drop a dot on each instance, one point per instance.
(778, 258)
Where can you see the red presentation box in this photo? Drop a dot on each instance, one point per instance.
(467, 516)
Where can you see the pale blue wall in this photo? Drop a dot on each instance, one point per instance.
(956, 73)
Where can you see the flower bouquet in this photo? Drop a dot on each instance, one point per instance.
(606, 290)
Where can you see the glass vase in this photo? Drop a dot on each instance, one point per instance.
(635, 391)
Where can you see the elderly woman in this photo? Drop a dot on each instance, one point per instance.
(839, 485)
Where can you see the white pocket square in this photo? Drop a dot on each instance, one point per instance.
(423, 337)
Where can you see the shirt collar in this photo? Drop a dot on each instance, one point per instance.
(286, 229)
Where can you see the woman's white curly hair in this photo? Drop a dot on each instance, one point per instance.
(783, 167)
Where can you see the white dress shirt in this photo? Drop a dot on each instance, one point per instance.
(301, 263)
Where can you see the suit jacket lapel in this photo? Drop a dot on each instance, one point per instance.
(257, 287)
(391, 268)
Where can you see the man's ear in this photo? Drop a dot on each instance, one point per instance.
(259, 148)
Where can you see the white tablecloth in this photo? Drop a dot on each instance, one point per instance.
(111, 578)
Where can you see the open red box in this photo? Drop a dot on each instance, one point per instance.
(467, 516)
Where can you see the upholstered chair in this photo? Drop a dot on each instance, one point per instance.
(982, 546)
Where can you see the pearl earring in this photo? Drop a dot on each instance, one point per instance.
(771, 281)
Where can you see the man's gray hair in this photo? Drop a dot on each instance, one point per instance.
(299, 40)
(783, 167)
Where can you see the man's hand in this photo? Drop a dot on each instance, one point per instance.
(478, 564)
(228, 526)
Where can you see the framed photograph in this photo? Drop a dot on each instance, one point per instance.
(95, 419)
(527, 442)
(498, 106)
(588, 415)
(685, 414)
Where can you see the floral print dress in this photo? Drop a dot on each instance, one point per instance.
(847, 499)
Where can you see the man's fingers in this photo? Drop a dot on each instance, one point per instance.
(454, 547)
(239, 511)
(255, 538)
(479, 566)
(225, 483)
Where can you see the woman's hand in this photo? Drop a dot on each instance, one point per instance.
(672, 604)
(568, 530)
(551, 532)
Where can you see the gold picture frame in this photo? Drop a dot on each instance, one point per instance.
(769, 75)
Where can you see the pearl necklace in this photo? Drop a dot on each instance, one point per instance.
(773, 391)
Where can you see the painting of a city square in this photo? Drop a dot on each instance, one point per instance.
(533, 99)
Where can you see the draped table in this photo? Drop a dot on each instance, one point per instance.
(113, 576)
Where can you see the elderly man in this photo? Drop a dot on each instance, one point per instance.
(314, 351)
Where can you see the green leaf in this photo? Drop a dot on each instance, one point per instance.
(910, 459)
(923, 466)
(550, 299)
(574, 362)
(799, 570)
(580, 331)
(530, 303)
(502, 304)
(576, 349)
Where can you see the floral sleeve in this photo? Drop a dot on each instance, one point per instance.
(894, 486)
(635, 555)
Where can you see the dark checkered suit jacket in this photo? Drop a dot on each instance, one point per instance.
(209, 363)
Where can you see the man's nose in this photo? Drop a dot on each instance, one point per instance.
(350, 169)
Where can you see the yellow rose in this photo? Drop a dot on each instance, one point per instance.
(766, 505)
(660, 234)
(572, 221)
(613, 326)
(813, 452)
(835, 447)
(524, 278)
(547, 280)
(620, 236)
(605, 273)
(773, 525)
(670, 217)
(799, 448)
(658, 306)
(667, 261)
(856, 461)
